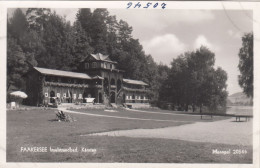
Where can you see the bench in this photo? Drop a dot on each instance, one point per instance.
(247, 117)
(206, 114)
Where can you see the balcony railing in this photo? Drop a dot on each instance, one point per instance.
(113, 86)
(72, 85)
(96, 86)
(135, 90)
(67, 84)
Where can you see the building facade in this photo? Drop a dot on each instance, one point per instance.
(98, 78)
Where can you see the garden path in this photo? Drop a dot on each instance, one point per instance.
(222, 131)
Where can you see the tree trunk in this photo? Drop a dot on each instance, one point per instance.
(193, 107)
(186, 107)
(200, 111)
(8, 86)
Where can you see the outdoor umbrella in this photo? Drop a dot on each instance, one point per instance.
(19, 94)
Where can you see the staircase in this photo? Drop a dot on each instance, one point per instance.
(114, 105)
(118, 93)
(138, 105)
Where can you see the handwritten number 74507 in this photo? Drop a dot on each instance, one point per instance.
(146, 5)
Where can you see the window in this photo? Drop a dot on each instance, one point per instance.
(86, 65)
(64, 95)
(126, 97)
(133, 97)
(94, 65)
(130, 97)
(112, 82)
(102, 65)
(58, 95)
(74, 96)
(47, 79)
(111, 66)
(107, 65)
(46, 94)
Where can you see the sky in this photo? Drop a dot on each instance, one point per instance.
(165, 34)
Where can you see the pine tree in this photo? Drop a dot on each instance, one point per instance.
(16, 65)
(81, 46)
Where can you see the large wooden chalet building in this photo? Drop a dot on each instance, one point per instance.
(98, 77)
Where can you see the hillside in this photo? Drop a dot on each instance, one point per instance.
(239, 99)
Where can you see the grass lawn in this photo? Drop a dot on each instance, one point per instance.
(161, 115)
(36, 128)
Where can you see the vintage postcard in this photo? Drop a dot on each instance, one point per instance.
(129, 83)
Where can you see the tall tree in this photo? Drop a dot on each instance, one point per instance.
(178, 78)
(99, 30)
(201, 63)
(37, 17)
(193, 80)
(57, 39)
(17, 25)
(164, 86)
(17, 28)
(81, 46)
(95, 25)
(124, 31)
(84, 16)
(112, 38)
(246, 65)
(219, 93)
(32, 46)
(16, 65)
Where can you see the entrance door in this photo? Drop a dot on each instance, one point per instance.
(100, 99)
(133, 99)
(52, 97)
(70, 99)
(123, 98)
(119, 85)
(85, 95)
(113, 97)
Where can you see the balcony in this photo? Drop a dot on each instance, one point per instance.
(96, 86)
(67, 84)
(135, 90)
(113, 86)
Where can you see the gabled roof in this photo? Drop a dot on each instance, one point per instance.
(97, 77)
(62, 73)
(135, 82)
(101, 57)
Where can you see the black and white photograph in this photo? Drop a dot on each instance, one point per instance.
(145, 82)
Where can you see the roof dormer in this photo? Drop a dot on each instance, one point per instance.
(94, 61)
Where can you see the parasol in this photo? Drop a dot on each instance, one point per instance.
(19, 94)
